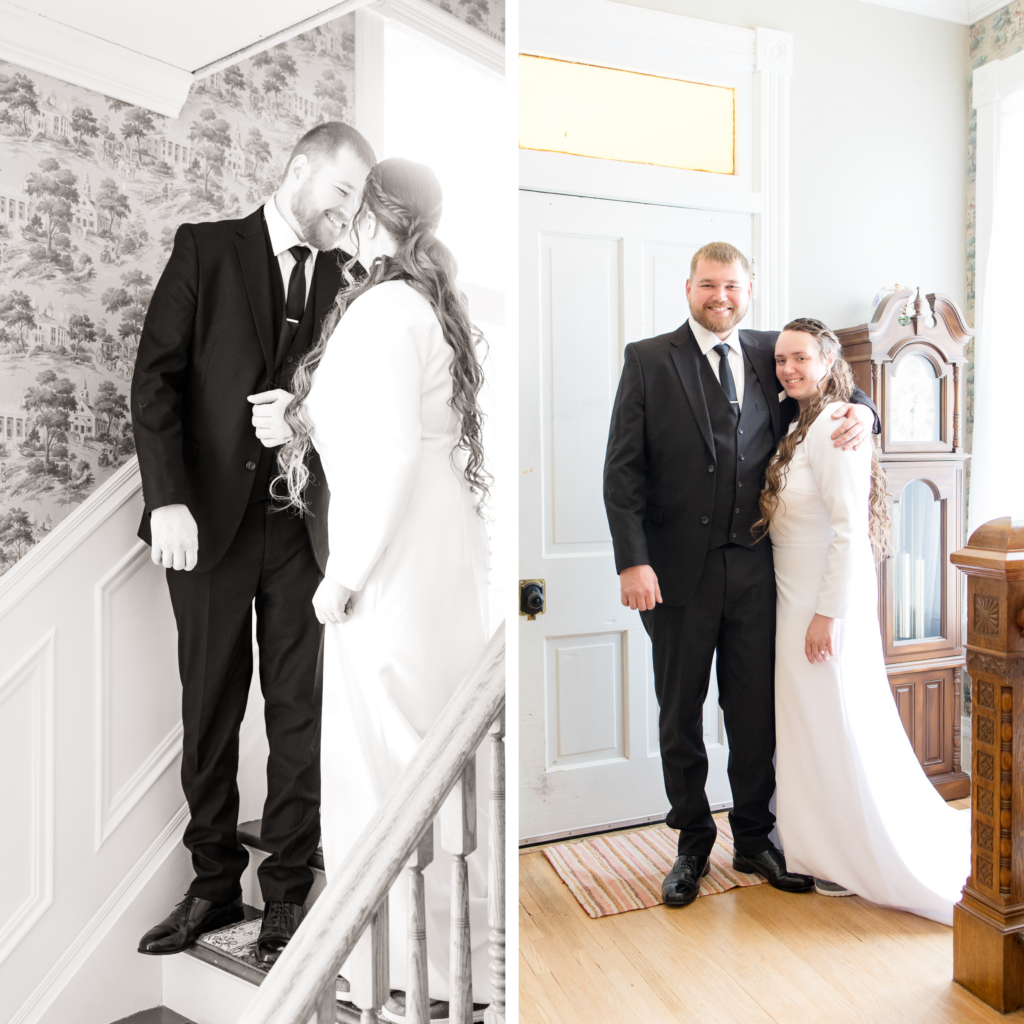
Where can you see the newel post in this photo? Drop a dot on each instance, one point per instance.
(988, 923)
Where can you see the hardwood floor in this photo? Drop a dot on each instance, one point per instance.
(755, 956)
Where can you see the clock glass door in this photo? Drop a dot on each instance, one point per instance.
(918, 563)
(916, 407)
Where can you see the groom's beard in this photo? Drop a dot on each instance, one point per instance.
(720, 324)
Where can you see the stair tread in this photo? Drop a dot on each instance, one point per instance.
(156, 1015)
(249, 835)
(231, 949)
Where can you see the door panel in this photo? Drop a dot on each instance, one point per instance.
(595, 275)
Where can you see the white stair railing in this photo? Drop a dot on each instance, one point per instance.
(350, 919)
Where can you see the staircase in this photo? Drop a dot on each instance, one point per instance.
(215, 980)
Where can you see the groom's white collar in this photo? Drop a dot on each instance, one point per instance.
(707, 340)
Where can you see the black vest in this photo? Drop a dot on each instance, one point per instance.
(743, 449)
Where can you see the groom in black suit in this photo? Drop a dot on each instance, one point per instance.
(238, 304)
(696, 420)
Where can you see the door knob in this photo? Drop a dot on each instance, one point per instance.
(531, 598)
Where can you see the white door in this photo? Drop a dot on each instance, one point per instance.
(595, 275)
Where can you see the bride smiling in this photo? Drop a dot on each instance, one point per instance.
(853, 805)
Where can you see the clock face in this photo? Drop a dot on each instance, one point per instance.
(915, 405)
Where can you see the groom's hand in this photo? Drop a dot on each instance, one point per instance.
(268, 416)
(639, 586)
(175, 537)
(856, 426)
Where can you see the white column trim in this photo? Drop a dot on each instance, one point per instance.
(771, 167)
(992, 82)
(52, 48)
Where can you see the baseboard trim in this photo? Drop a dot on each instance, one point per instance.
(609, 826)
(89, 938)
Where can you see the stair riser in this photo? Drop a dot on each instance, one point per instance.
(251, 884)
(202, 993)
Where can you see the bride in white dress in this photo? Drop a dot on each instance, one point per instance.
(853, 804)
(389, 401)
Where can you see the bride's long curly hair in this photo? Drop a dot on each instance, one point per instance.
(405, 199)
(836, 386)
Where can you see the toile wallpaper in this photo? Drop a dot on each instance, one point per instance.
(92, 191)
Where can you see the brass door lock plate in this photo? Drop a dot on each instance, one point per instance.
(531, 598)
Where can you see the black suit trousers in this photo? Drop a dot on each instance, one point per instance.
(733, 611)
(269, 562)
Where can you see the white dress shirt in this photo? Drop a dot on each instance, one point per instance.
(282, 238)
(707, 340)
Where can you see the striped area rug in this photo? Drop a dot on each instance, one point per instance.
(612, 874)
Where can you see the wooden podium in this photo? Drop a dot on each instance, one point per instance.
(988, 923)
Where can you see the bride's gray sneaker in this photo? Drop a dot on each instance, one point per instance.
(824, 888)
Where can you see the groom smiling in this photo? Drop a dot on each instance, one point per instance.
(696, 420)
(237, 306)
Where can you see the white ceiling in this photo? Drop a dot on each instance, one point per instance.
(186, 34)
(963, 12)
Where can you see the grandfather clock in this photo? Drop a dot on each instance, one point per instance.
(910, 359)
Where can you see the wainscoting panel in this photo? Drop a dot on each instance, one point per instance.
(138, 696)
(26, 797)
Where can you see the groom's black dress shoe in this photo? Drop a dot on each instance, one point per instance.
(682, 883)
(280, 922)
(186, 922)
(772, 865)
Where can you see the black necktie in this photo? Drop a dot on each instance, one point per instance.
(296, 301)
(725, 377)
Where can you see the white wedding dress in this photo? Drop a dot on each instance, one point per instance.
(406, 539)
(853, 805)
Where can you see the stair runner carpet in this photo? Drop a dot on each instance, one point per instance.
(616, 873)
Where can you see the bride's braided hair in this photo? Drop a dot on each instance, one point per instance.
(836, 386)
(405, 198)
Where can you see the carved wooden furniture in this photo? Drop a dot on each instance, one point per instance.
(909, 359)
(988, 923)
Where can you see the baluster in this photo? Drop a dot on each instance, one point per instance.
(458, 837)
(417, 1000)
(495, 1013)
(369, 966)
(327, 1004)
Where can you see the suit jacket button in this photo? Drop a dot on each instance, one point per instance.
(740, 430)
(742, 457)
(704, 520)
(734, 536)
(250, 465)
(711, 469)
(290, 360)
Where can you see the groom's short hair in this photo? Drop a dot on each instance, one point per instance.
(324, 140)
(719, 252)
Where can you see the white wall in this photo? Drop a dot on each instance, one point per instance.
(878, 148)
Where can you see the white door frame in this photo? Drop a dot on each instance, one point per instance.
(757, 62)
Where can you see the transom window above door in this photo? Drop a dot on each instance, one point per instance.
(611, 114)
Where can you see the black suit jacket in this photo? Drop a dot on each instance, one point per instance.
(660, 446)
(208, 342)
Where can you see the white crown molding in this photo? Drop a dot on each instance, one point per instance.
(85, 943)
(42, 44)
(112, 808)
(961, 12)
(34, 670)
(66, 537)
(427, 20)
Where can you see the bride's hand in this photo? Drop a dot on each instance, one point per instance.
(819, 644)
(332, 602)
